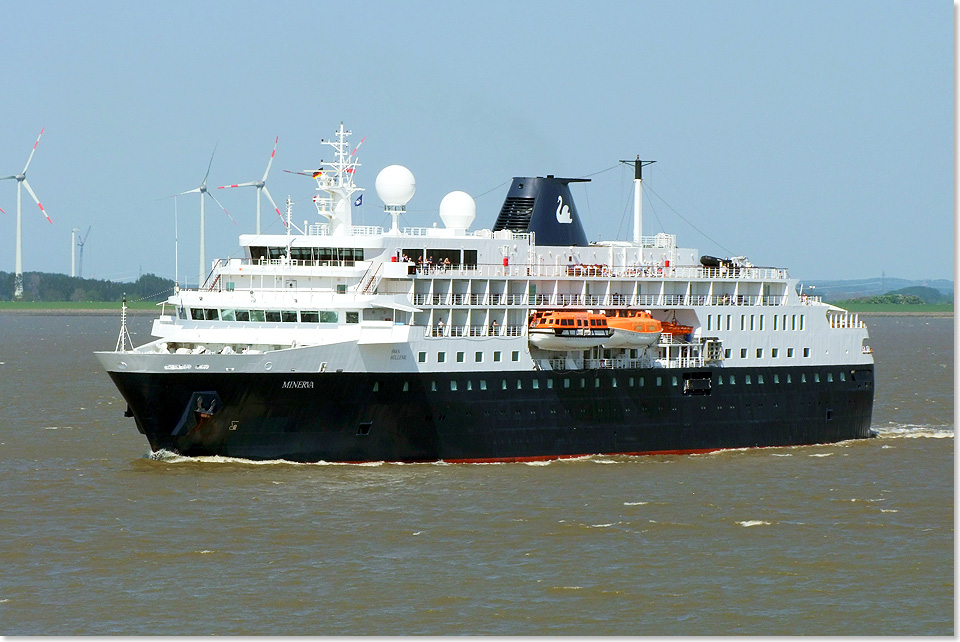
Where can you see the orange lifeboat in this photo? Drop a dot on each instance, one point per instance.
(563, 330)
(676, 329)
(632, 329)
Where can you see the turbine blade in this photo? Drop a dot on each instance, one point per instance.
(277, 209)
(221, 206)
(254, 183)
(32, 152)
(1, 211)
(353, 153)
(270, 162)
(3, 178)
(187, 192)
(37, 200)
(210, 164)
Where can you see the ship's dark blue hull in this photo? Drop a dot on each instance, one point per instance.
(492, 416)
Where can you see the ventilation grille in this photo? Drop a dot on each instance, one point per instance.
(515, 214)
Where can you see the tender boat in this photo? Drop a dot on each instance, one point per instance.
(568, 330)
(632, 329)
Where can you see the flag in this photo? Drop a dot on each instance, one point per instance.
(359, 201)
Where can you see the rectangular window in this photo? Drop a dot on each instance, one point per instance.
(659, 381)
(728, 322)
(353, 317)
(460, 357)
(566, 383)
(742, 322)
(747, 380)
(759, 378)
(759, 353)
(243, 315)
(673, 381)
(816, 377)
(751, 322)
(726, 353)
(613, 382)
(806, 352)
(273, 316)
(515, 355)
(258, 316)
(483, 384)
(422, 357)
(829, 377)
(536, 384)
(793, 322)
(496, 355)
(453, 384)
(211, 314)
(776, 378)
(709, 322)
(801, 321)
(406, 386)
(196, 314)
(774, 352)
(549, 383)
(733, 380)
(789, 378)
(433, 386)
(308, 316)
(228, 315)
(441, 357)
(478, 357)
(596, 382)
(761, 323)
(789, 353)
(743, 353)
(328, 316)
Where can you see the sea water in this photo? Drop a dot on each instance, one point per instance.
(99, 536)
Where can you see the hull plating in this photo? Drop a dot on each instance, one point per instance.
(493, 416)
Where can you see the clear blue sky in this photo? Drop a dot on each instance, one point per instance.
(817, 136)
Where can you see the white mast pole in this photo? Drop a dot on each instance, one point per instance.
(18, 279)
(638, 197)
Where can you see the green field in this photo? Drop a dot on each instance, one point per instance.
(79, 306)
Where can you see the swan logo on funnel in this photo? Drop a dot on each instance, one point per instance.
(563, 211)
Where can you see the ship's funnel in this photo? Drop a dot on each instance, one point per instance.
(544, 206)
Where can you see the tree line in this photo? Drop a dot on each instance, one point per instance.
(43, 286)
(914, 295)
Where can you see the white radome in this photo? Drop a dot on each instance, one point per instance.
(395, 185)
(458, 210)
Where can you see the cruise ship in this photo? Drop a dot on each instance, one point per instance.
(339, 342)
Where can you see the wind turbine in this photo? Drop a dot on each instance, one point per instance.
(261, 186)
(21, 179)
(80, 243)
(203, 190)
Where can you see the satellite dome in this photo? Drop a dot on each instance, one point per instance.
(395, 185)
(457, 210)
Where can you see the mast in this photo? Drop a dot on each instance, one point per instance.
(337, 181)
(638, 197)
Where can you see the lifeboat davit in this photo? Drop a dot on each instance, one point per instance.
(632, 329)
(562, 330)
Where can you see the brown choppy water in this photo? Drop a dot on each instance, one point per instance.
(99, 538)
